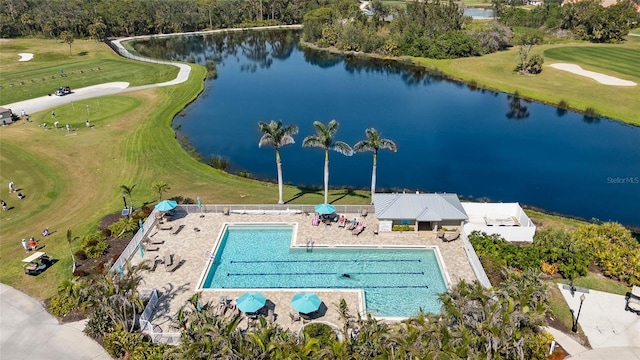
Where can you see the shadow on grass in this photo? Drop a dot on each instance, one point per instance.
(305, 191)
(348, 192)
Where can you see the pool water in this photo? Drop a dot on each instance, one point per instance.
(396, 282)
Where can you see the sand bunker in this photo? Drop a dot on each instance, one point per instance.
(601, 78)
(25, 56)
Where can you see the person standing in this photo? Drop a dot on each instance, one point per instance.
(24, 245)
(88, 123)
(4, 205)
(11, 187)
(32, 243)
(68, 128)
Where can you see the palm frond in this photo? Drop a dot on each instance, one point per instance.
(343, 148)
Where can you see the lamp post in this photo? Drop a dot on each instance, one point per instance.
(574, 328)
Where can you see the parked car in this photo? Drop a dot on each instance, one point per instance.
(64, 90)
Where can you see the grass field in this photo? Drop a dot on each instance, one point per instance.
(495, 71)
(72, 180)
(622, 60)
(90, 64)
(546, 221)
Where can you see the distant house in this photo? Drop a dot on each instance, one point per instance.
(535, 2)
(6, 116)
(422, 212)
(505, 219)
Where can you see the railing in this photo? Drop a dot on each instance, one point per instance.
(131, 249)
(475, 261)
(145, 321)
(222, 208)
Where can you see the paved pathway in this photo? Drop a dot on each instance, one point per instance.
(28, 331)
(47, 102)
(604, 320)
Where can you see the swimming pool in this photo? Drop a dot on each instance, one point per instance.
(396, 282)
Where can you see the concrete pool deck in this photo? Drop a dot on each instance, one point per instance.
(200, 232)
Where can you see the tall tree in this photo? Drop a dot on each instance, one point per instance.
(324, 138)
(67, 37)
(160, 187)
(276, 135)
(70, 240)
(373, 143)
(128, 190)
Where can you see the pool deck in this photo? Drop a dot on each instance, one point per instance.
(201, 231)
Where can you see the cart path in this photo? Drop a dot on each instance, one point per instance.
(47, 102)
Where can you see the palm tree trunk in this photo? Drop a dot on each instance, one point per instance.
(373, 176)
(279, 164)
(326, 176)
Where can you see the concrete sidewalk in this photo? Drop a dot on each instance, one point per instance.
(28, 331)
(604, 320)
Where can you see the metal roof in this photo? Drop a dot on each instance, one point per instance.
(421, 207)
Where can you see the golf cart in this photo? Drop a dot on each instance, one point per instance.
(61, 91)
(36, 263)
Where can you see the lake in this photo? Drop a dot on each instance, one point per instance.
(478, 144)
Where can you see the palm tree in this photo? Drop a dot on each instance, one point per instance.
(324, 138)
(70, 240)
(128, 190)
(160, 187)
(276, 135)
(374, 143)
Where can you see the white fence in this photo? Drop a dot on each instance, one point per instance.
(479, 212)
(475, 261)
(147, 327)
(220, 208)
(131, 249)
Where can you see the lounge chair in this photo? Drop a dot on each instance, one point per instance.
(167, 258)
(178, 230)
(156, 261)
(359, 229)
(342, 222)
(353, 224)
(633, 302)
(316, 220)
(176, 263)
(165, 227)
(294, 317)
(271, 316)
(146, 247)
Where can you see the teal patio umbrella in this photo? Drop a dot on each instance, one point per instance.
(199, 202)
(305, 302)
(166, 205)
(325, 209)
(251, 302)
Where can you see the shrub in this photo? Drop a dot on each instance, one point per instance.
(325, 335)
(401, 228)
(591, 113)
(218, 162)
(94, 245)
(547, 268)
(80, 255)
(123, 227)
(61, 305)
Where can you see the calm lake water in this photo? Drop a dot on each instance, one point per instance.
(450, 138)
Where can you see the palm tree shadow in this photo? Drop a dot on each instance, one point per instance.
(304, 191)
(347, 192)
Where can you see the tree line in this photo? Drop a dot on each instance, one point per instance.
(427, 29)
(586, 20)
(104, 18)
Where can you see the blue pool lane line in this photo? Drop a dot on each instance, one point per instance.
(350, 287)
(318, 261)
(326, 273)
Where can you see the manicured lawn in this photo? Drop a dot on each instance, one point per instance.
(71, 180)
(91, 63)
(600, 283)
(495, 71)
(621, 60)
(546, 221)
